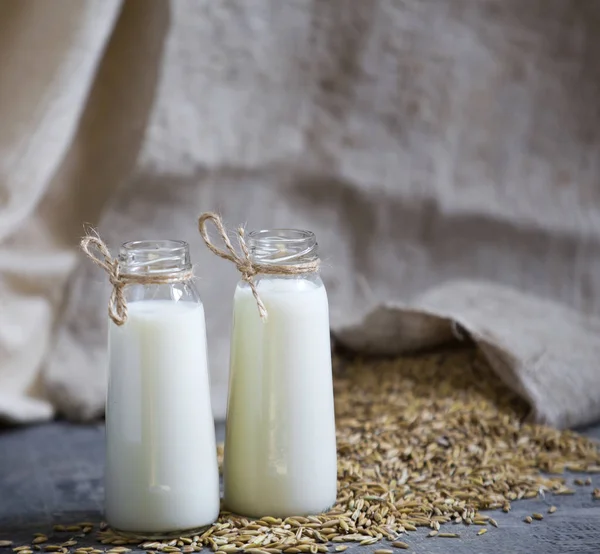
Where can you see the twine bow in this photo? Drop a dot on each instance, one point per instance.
(97, 251)
(243, 262)
(117, 306)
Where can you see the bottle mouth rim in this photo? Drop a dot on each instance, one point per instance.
(156, 244)
(282, 246)
(287, 235)
(158, 256)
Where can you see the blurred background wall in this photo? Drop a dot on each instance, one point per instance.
(423, 141)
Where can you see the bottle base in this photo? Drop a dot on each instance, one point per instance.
(162, 535)
(254, 513)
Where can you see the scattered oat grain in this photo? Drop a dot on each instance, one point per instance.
(403, 462)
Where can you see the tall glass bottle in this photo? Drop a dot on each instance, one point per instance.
(280, 450)
(161, 468)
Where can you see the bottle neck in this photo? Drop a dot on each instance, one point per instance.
(283, 247)
(154, 258)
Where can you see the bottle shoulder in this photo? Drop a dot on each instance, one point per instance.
(301, 282)
(185, 291)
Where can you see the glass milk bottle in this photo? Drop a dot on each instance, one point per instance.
(280, 451)
(161, 466)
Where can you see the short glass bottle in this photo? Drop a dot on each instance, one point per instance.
(280, 449)
(161, 475)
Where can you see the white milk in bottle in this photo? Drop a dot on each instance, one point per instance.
(161, 475)
(280, 451)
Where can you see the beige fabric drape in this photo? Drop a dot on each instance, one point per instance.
(445, 153)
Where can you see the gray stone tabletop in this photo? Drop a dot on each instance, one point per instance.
(51, 474)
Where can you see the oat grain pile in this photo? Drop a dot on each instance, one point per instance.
(422, 441)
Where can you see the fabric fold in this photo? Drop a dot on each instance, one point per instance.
(545, 352)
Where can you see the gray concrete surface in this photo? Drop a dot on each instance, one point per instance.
(52, 474)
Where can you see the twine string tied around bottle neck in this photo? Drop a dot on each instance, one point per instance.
(97, 251)
(243, 260)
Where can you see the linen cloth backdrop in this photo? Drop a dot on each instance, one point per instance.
(446, 154)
